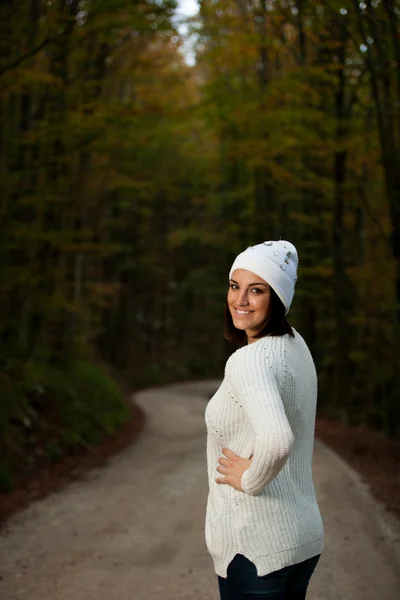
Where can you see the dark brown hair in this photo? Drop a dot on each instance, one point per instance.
(275, 323)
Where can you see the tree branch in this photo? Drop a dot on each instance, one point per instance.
(15, 63)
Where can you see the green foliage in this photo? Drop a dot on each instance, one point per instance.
(55, 410)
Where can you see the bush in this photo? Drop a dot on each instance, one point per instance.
(48, 411)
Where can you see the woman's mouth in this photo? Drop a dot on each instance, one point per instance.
(243, 313)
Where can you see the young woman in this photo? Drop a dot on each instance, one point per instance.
(263, 525)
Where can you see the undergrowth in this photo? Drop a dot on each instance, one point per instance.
(50, 411)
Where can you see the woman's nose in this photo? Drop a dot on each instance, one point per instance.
(243, 300)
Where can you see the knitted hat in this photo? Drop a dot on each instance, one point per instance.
(275, 262)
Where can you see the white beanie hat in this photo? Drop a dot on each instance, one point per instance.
(276, 262)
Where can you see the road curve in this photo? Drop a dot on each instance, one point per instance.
(134, 530)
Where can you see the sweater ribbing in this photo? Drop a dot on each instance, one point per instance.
(265, 408)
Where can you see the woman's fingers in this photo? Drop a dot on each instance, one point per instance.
(231, 455)
(222, 480)
(232, 466)
(222, 469)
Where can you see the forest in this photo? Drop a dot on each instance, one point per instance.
(130, 180)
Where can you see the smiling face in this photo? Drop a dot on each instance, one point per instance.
(248, 301)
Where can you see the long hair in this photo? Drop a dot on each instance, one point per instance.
(275, 322)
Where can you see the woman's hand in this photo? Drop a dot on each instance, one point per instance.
(233, 467)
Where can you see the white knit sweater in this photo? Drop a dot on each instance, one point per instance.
(265, 407)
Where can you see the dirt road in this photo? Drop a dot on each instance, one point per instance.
(134, 530)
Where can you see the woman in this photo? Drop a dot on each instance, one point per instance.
(263, 525)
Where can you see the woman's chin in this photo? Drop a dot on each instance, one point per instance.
(238, 323)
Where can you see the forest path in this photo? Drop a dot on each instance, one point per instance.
(133, 530)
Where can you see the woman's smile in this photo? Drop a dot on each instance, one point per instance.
(242, 312)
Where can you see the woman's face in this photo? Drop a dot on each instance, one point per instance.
(248, 301)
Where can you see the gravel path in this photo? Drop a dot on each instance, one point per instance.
(134, 530)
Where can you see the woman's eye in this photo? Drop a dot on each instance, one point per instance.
(257, 290)
(233, 286)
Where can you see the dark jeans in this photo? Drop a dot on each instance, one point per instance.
(243, 583)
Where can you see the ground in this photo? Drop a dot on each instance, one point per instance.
(134, 528)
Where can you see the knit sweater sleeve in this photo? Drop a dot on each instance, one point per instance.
(252, 377)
